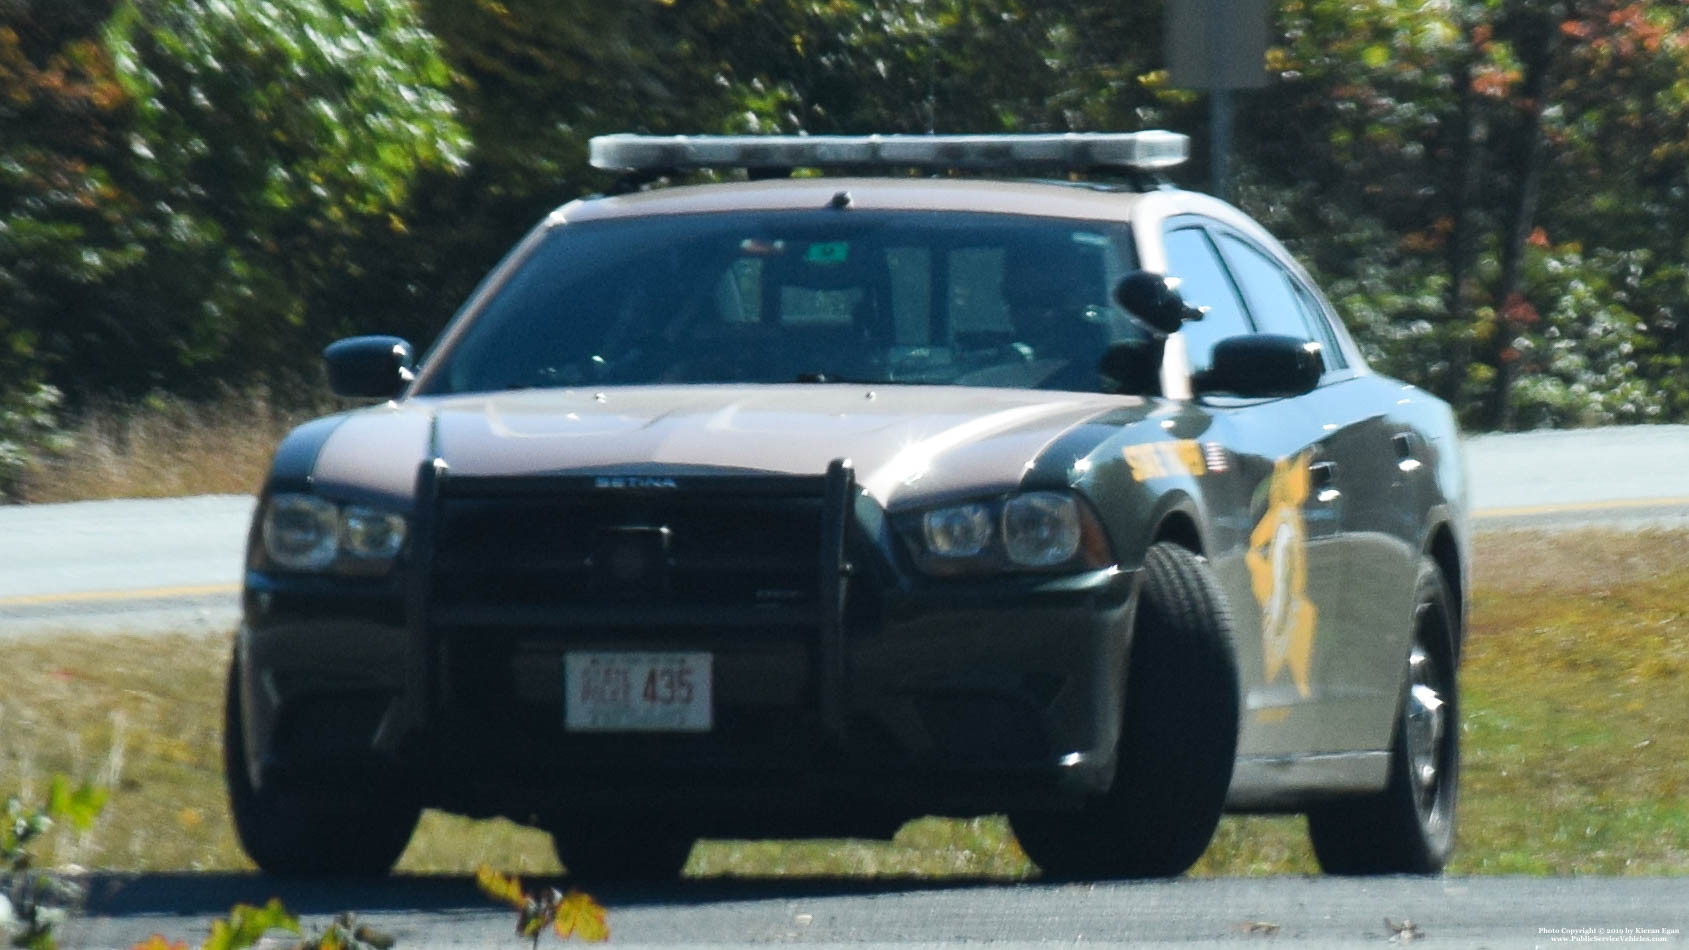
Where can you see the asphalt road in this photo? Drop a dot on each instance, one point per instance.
(1267, 912)
(175, 564)
(123, 566)
(1623, 477)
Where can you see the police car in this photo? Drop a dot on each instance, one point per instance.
(890, 476)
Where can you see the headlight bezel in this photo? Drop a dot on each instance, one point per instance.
(1087, 548)
(329, 537)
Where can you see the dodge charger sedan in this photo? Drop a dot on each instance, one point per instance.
(949, 475)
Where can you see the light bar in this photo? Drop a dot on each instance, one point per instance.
(1149, 150)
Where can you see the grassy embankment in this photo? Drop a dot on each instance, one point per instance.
(169, 448)
(1576, 684)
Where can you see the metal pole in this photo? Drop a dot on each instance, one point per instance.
(1220, 139)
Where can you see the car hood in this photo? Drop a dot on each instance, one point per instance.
(906, 443)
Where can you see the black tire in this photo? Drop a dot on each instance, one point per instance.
(1408, 828)
(362, 832)
(1178, 742)
(639, 848)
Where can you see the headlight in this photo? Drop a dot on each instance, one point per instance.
(307, 533)
(302, 532)
(371, 534)
(1040, 530)
(962, 531)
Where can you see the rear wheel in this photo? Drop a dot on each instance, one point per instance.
(639, 848)
(1408, 828)
(1178, 742)
(360, 831)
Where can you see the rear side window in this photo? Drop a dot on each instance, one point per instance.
(1317, 318)
(1272, 302)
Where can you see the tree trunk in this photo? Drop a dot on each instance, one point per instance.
(1536, 40)
(1467, 163)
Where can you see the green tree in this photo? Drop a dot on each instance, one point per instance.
(940, 65)
(1448, 168)
(1493, 190)
(62, 121)
(62, 114)
(270, 137)
(531, 81)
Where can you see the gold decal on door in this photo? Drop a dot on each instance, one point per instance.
(1278, 573)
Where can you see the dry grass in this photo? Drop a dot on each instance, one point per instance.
(1574, 562)
(1577, 734)
(136, 714)
(143, 715)
(166, 448)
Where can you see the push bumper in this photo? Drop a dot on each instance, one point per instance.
(884, 692)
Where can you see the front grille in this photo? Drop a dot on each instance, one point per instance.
(580, 550)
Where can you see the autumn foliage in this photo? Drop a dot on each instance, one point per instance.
(198, 195)
(571, 914)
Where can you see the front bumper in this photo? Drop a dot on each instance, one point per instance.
(882, 692)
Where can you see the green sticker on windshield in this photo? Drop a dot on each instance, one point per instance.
(827, 252)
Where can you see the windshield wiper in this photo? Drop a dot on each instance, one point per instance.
(826, 377)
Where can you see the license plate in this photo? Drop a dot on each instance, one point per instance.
(637, 692)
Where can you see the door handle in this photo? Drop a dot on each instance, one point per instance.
(1405, 446)
(1322, 476)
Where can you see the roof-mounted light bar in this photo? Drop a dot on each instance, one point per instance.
(1146, 151)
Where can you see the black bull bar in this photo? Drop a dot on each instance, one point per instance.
(426, 679)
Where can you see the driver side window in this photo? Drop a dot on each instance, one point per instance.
(1204, 282)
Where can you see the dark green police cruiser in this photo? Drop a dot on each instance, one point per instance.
(805, 505)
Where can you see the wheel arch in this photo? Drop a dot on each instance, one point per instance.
(1178, 526)
(1134, 523)
(1444, 550)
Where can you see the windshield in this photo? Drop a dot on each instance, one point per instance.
(801, 296)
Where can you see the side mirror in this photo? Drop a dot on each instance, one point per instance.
(376, 367)
(1154, 300)
(1262, 366)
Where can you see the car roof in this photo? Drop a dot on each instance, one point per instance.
(1080, 201)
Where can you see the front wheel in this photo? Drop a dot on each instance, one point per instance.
(1408, 828)
(359, 831)
(1178, 742)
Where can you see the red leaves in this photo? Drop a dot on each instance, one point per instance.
(1517, 311)
(1625, 31)
(1494, 83)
